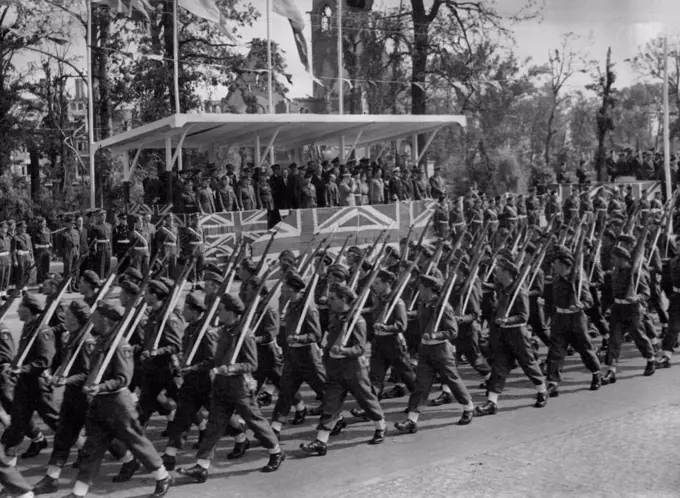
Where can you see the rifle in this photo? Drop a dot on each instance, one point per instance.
(354, 279)
(43, 321)
(260, 264)
(79, 340)
(308, 297)
(246, 321)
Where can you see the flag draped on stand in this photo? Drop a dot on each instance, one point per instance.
(288, 9)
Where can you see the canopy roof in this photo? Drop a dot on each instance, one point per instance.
(204, 131)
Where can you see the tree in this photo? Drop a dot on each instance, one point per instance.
(563, 64)
(649, 63)
(604, 87)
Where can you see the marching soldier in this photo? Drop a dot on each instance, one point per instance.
(42, 245)
(346, 372)
(435, 355)
(671, 338)
(112, 414)
(74, 406)
(22, 253)
(194, 392)
(569, 326)
(89, 286)
(233, 390)
(302, 357)
(627, 314)
(509, 340)
(32, 392)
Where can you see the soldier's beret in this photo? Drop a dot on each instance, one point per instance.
(509, 266)
(194, 216)
(393, 252)
(159, 288)
(387, 276)
(431, 282)
(626, 239)
(136, 218)
(169, 283)
(327, 258)
(213, 268)
(564, 258)
(211, 276)
(288, 259)
(129, 287)
(101, 211)
(286, 253)
(366, 266)
(340, 271)
(232, 303)
(39, 219)
(68, 219)
(111, 310)
(506, 254)
(249, 265)
(80, 310)
(622, 253)
(91, 278)
(134, 274)
(196, 300)
(344, 292)
(33, 303)
(356, 251)
(610, 234)
(294, 281)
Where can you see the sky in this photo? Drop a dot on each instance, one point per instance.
(622, 24)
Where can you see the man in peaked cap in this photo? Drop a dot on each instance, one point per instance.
(70, 249)
(42, 246)
(192, 246)
(100, 238)
(301, 363)
(5, 259)
(120, 239)
(22, 256)
(29, 396)
(569, 325)
(509, 340)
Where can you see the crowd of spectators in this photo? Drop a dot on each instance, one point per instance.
(318, 185)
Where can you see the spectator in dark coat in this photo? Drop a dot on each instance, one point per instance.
(293, 187)
(278, 188)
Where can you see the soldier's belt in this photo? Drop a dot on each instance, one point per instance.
(144, 249)
(172, 244)
(522, 216)
(195, 243)
(675, 289)
(298, 346)
(460, 223)
(110, 393)
(4, 253)
(565, 311)
(124, 241)
(433, 343)
(102, 241)
(511, 219)
(622, 301)
(23, 253)
(42, 246)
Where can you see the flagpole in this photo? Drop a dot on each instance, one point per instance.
(270, 69)
(341, 97)
(90, 106)
(175, 55)
(666, 121)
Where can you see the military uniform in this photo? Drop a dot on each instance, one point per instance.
(70, 241)
(42, 246)
(157, 370)
(141, 254)
(5, 262)
(32, 392)
(100, 234)
(22, 253)
(192, 246)
(121, 245)
(166, 245)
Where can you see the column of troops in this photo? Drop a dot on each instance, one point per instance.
(377, 323)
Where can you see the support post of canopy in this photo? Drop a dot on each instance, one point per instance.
(269, 149)
(421, 154)
(342, 149)
(258, 150)
(168, 168)
(356, 141)
(177, 156)
(415, 157)
(382, 150)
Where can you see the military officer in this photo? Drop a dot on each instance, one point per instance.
(22, 254)
(121, 243)
(5, 259)
(42, 246)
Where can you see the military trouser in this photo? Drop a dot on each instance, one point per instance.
(570, 329)
(432, 360)
(5, 272)
(102, 260)
(270, 366)
(594, 313)
(412, 336)
(71, 257)
(301, 364)
(192, 396)
(21, 272)
(42, 264)
(7, 384)
(537, 319)
(113, 416)
(72, 418)
(390, 351)
(627, 318)
(671, 338)
(31, 394)
(348, 375)
(234, 394)
(153, 381)
(467, 344)
(140, 261)
(510, 345)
